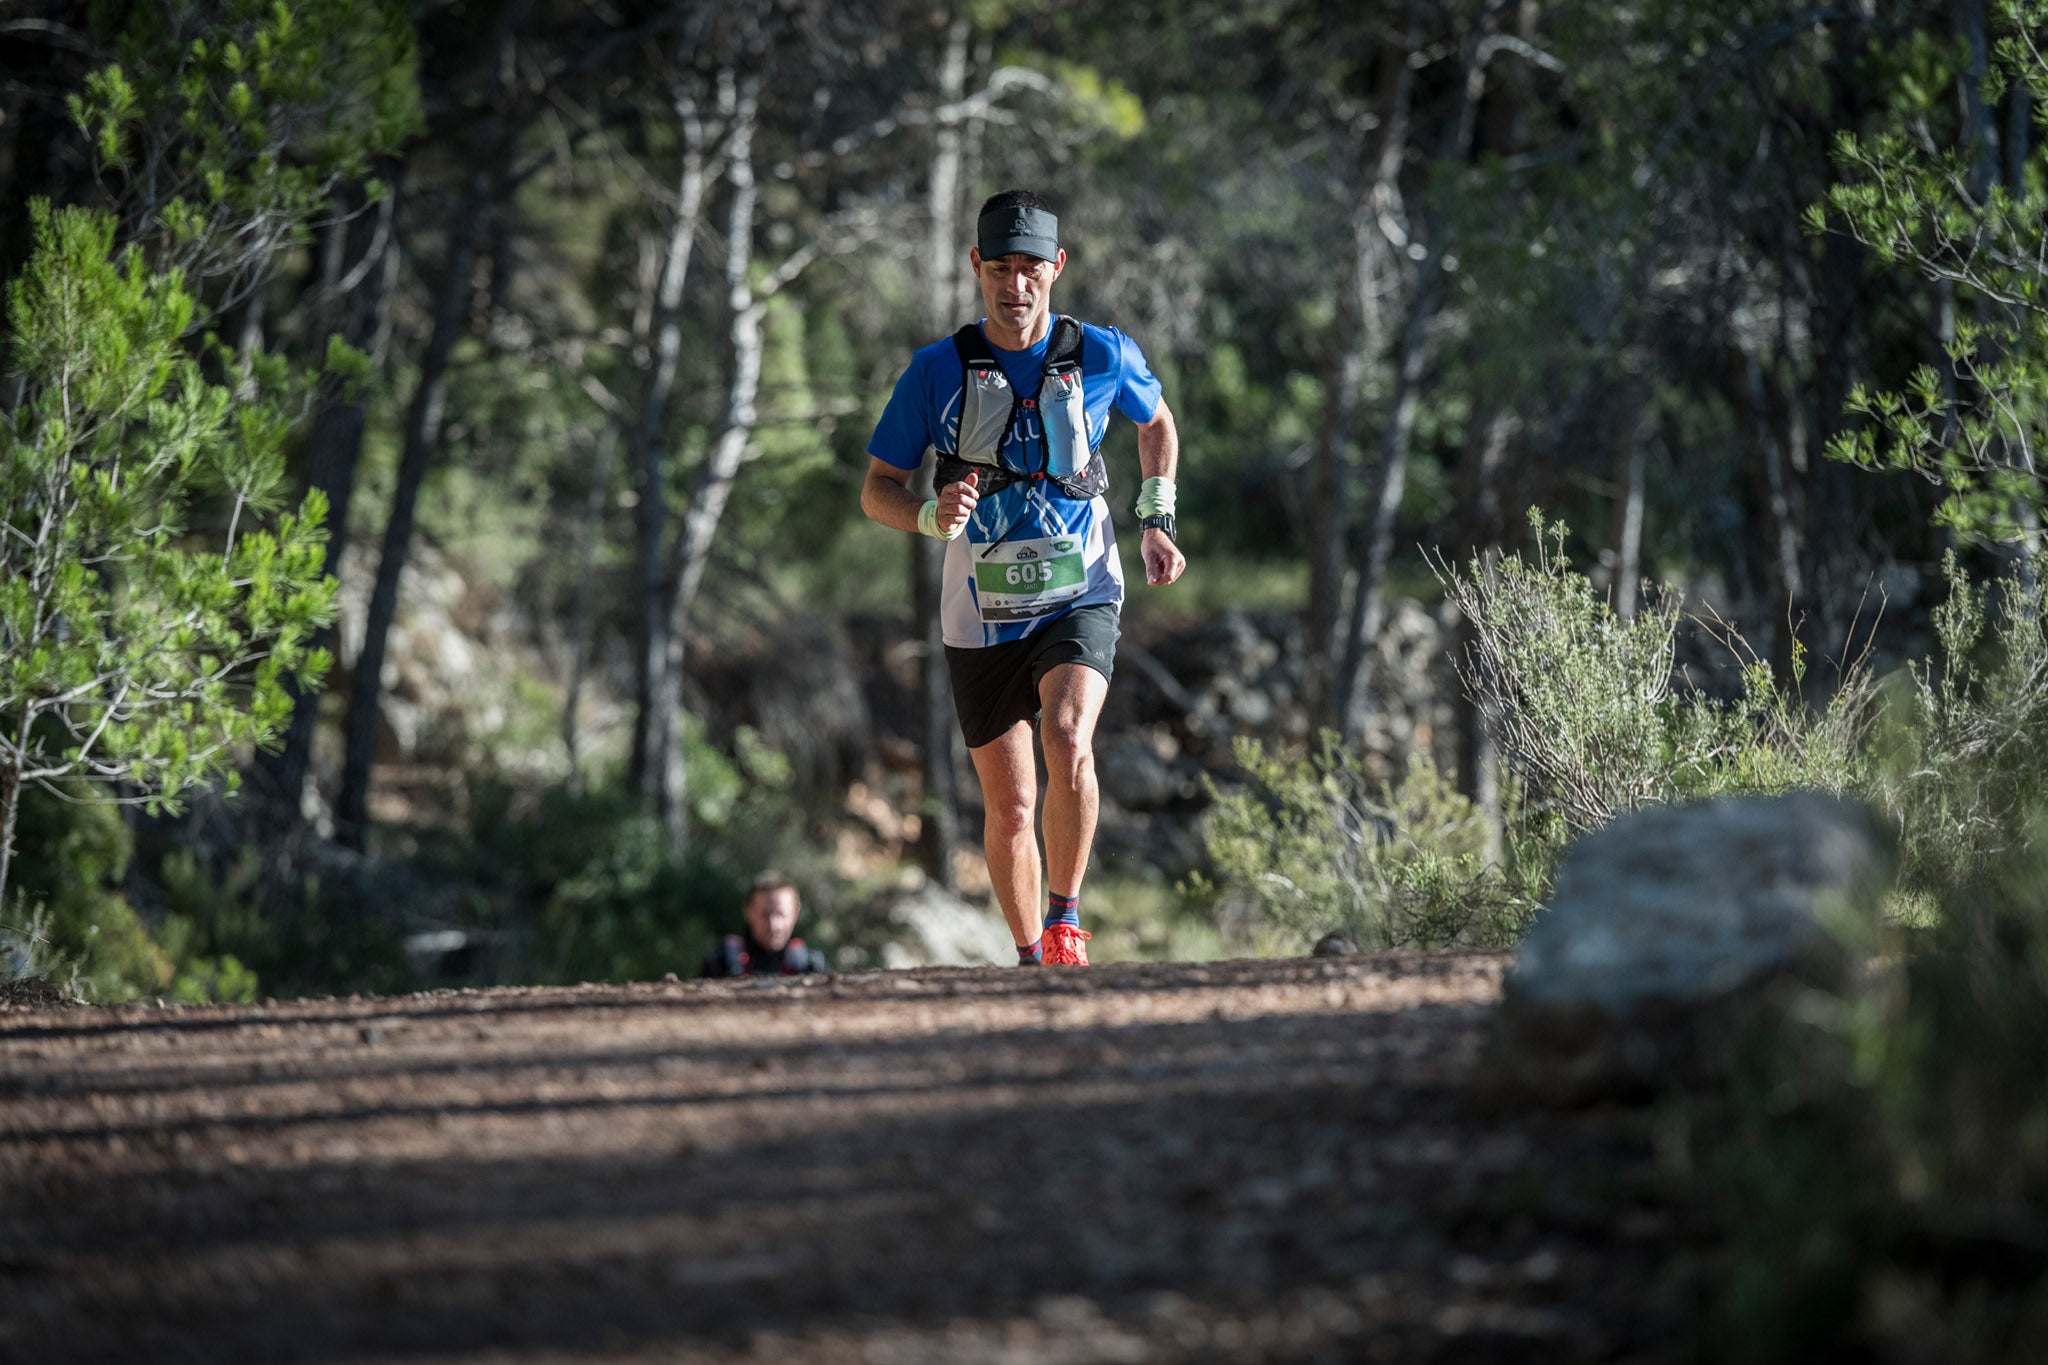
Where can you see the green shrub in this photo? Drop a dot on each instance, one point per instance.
(588, 882)
(1882, 1177)
(71, 860)
(1147, 919)
(610, 902)
(222, 935)
(1966, 762)
(1586, 713)
(1311, 844)
(26, 952)
(1879, 1170)
(585, 882)
(1589, 725)
(1584, 706)
(235, 934)
(1579, 699)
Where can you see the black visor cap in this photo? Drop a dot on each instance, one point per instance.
(1007, 232)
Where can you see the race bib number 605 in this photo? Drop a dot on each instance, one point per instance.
(1025, 579)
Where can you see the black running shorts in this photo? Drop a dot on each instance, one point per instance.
(997, 686)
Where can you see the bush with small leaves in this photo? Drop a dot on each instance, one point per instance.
(1966, 767)
(1579, 699)
(1311, 844)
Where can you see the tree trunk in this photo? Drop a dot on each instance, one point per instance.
(1354, 345)
(490, 149)
(10, 803)
(1626, 536)
(1368, 600)
(1351, 695)
(422, 438)
(713, 485)
(651, 734)
(1978, 119)
(588, 535)
(1781, 521)
(250, 342)
(1833, 538)
(2019, 113)
(938, 813)
(1981, 139)
(973, 146)
(2018, 130)
(1480, 531)
(332, 451)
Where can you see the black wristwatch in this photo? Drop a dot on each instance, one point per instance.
(1163, 520)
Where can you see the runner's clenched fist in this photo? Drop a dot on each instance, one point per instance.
(1163, 559)
(956, 505)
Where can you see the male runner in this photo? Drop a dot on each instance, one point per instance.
(1014, 409)
(769, 946)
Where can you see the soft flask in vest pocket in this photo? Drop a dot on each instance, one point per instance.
(986, 406)
(1063, 410)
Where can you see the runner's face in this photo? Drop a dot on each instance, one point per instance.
(771, 917)
(1016, 290)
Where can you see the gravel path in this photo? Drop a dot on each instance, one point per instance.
(1275, 1161)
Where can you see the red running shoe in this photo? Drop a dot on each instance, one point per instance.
(1066, 946)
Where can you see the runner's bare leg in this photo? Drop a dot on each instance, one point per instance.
(1009, 795)
(1072, 697)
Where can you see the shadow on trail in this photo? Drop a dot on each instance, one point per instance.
(876, 987)
(1238, 1187)
(1320, 1172)
(346, 1063)
(1255, 1053)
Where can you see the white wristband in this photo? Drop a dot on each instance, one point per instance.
(928, 520)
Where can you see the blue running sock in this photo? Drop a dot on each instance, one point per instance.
(1063, 910)
(1031, 953)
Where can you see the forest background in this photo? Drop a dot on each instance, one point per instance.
(570, 323)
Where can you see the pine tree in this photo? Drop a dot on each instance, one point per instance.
(141, 644)
(1972, 217)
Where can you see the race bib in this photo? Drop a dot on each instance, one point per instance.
(1021, 580)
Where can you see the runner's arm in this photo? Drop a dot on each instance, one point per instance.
(1159, 457)
(886, 497)
(1158, 444)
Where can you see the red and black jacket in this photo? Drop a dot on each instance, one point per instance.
(739, 955)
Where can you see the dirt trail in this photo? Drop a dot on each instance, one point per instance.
(1275, 1160)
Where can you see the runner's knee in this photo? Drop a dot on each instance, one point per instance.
(1009, 816)
(1069, 749)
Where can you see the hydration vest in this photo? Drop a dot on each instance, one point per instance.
(989, 405)
(737, 961)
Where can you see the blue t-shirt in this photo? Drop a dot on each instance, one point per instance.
(1029, 518)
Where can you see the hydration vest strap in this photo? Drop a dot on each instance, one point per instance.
(795, 956)
(1063, 353)
(1062, 356)
(733, 950)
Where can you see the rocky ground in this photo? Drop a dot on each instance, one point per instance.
(1276, 1160)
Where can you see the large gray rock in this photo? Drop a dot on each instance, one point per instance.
(1135, 776)
(931, 927)
(1671, 929)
